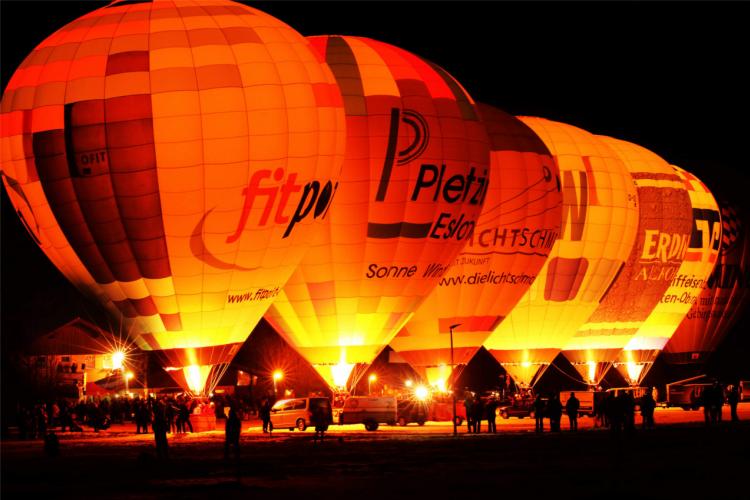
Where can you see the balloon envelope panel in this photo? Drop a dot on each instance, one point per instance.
(599, 221)
(414, 180)
(516, 231)
(162, 154)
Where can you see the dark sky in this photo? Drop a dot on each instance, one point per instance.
(670, 76)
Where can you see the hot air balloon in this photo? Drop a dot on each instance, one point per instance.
(599, 221)
(413, 184)
(723, 299)
(640, 352)
(664, 227)
(515, 233)
(173, 161)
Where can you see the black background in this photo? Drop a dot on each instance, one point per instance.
(669, 76)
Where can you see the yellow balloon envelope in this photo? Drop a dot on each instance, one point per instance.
(414, 180)
(640, 352)
(171, 160)
(516, 231)
(599, 221)
(664, 228)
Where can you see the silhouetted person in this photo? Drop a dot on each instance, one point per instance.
(232, 431)
(183, 414)
(539, 409)
(170, 413)
(491, 415)
(477, 408)
(628, 411)
(717, 402)
(571, 408)
(161, 426)
(733, 398)
(469, 407)
(647, 410)
(265, 414)
(614, 413)
(706, 402)
(320, 421)
(600, 409)
(554, 409)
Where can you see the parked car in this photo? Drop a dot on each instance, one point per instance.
(520, 408)
(298, 413)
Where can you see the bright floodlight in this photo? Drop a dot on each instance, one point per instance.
(129, 375)
(373, 377)
(408, 383)
(591, 371)
(421, 392)
(118, 357)
(278, 375)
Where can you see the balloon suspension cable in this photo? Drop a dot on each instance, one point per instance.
(357, 373)
(536, 379)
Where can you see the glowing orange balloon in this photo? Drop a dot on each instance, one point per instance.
(171, 159)
(413, 183)
(724, 298)
(599, 220)
(665, 221)
(641, 351)
(515, 233)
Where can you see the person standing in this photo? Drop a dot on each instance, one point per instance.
(628, 411)
(320, 419)
(477, 409)
(647, 410)
(706, 399)
(491, 415)
(555, 413)
(232, 431)
(184, 416)
(571, 408)
(160, 427)
(539, 409)
(265, 414)
(469, 407)
(733, 398)
(718, 402)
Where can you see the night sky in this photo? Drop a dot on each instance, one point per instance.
(668, 76)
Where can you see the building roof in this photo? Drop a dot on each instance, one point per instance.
(77, 336)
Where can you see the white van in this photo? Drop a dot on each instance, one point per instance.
(370, 411)
(298, 413)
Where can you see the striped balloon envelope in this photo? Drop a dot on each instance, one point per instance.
(515, 233)
(173, 159)
(599, 222)
(724, 298)
(641, 351)
(414, 180)
(664, 227)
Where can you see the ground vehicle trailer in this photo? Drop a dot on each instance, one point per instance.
(370, 411)
(586, 400)
(411, 410)
(299, 412)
